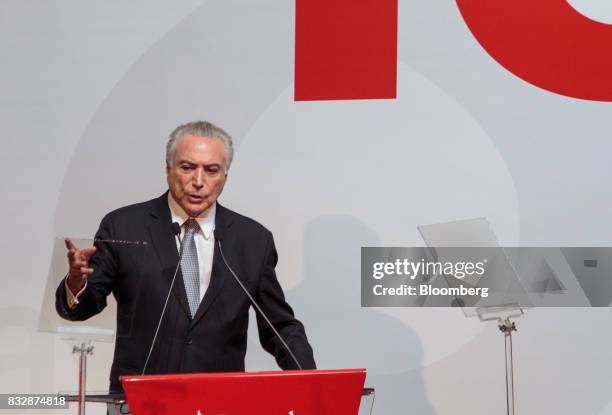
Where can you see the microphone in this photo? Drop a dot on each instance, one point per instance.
(219, 237)
(176, 231)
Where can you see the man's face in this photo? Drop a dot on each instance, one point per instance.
(196, 173)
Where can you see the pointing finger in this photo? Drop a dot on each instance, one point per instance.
(69, 245)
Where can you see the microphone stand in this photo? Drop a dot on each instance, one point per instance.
(218, 237)
(176, 230)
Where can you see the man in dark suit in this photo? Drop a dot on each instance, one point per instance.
(204, 328)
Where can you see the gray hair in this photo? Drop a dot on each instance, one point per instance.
(201, 129)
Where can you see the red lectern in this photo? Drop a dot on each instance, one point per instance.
(296, 392)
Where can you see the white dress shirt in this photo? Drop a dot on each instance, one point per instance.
(204, 238)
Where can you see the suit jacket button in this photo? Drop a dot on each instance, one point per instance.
(188, 340)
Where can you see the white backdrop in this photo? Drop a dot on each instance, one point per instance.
(91, 90)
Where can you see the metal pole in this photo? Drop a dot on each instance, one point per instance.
(83, 351)
(507, 327)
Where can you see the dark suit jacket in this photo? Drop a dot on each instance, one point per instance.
(139, 277)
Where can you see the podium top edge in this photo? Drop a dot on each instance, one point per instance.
(317, 372)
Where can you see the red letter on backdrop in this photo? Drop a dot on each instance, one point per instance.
(345, 49)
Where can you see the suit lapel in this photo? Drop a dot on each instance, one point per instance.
(164, 243)
(219, 273)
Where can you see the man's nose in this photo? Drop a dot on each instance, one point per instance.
(198, 179)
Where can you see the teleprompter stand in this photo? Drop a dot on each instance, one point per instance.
(507, 299)
(84, 337)
(503, 315)
(100, 328)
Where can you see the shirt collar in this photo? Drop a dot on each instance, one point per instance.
(206, 219)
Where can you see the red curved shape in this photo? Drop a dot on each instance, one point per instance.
(546, 43)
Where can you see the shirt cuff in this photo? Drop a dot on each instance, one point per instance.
(72, 299)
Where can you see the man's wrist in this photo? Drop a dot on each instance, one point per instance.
(74, 288)
(72, 298)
